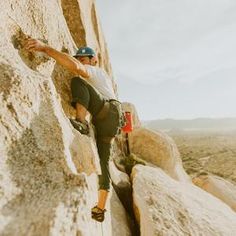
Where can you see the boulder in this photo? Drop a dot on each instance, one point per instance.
(165, 206)
(158, 149)
(219, 187)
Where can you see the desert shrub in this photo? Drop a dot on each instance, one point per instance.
(130, 161)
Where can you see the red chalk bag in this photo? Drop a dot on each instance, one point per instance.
(128, 122)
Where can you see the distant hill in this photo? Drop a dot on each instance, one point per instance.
(195, 124)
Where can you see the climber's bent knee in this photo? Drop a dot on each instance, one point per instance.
(80, 92)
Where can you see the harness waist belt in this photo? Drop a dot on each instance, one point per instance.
(103, 112)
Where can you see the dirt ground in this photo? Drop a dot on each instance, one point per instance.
(208, 151)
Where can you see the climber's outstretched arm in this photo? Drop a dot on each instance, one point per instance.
(63, 59)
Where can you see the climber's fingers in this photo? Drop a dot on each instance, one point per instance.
(34, 45)
(31, 44)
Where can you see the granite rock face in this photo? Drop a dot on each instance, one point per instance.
(165, 206)
(47, 170)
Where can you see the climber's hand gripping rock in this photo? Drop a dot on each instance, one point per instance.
(35, 45)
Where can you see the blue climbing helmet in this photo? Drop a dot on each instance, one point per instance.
(85, 52)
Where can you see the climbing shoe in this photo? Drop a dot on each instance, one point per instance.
(83, 128)
(98, 214)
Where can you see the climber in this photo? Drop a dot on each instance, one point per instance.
(92, 92)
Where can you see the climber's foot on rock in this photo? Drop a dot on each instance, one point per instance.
(98, 214)
(83, 128)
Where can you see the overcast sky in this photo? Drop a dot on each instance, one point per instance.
(173, 58)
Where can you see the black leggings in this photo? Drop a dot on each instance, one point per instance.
(86, 95)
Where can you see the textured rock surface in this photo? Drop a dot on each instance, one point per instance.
(158, 149)
(46, 186)
(168, 207)
(219, 187)
(119, 219)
